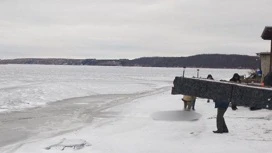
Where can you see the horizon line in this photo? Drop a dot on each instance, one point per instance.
(121, 58)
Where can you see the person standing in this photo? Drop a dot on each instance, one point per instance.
(210, 78)
(222, 106)
(193, 103)
(236, 79)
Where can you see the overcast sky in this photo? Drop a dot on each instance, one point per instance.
(132, 28)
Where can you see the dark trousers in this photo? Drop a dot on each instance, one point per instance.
(220, 121)
(193, 104)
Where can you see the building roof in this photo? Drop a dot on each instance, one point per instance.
(267, 33)
(263, 53)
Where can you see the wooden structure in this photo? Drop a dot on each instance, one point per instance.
(267, 35)
(265, 63)
(241, 94)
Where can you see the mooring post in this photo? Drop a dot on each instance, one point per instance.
(183, 72)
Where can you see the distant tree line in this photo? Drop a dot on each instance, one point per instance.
(200, 61)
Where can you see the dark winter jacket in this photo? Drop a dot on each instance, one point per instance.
(268, 79)
(236, 78)
(224, 104)
(210, 77)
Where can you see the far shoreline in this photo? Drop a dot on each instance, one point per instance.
(127, 66)
(217, 61)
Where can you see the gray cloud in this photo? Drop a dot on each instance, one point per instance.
(129, 29)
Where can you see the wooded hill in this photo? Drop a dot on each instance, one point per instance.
(200, 61)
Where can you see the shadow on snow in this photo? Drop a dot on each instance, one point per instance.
(176, 115)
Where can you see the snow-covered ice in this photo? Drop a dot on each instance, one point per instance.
(30, 86)
(119, 110)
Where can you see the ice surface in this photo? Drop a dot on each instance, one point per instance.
(24, 86)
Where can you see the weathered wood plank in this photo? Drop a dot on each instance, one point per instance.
(241, 94)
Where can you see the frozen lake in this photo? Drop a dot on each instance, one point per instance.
(25, 86)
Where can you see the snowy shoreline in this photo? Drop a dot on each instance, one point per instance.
(157, 123)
